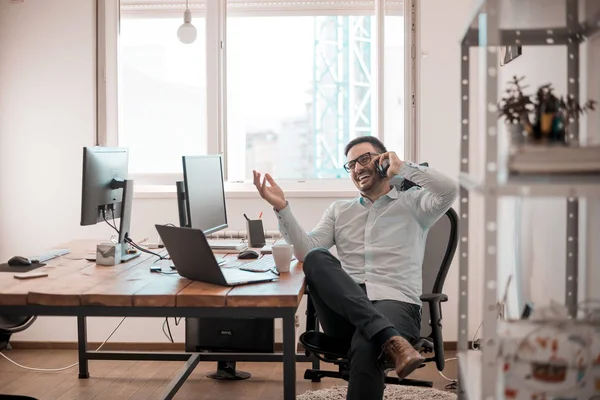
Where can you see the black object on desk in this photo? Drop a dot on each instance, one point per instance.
(256, 232)
(20, 268)
(248, 254)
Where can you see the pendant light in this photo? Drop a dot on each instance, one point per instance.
(187, 32)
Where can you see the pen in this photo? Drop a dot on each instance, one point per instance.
(260, 216)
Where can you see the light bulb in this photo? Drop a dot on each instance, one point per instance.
(187, 32)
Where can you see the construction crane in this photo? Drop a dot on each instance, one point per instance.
(341, 101)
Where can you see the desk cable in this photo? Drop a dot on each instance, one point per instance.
(169, 335)
(63, 368)
(453, 382)
(127, 239)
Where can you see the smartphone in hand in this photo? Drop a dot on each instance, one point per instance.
(383, 168)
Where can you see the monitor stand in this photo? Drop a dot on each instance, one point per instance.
(125, 220)
(129, 256)
(226, 372)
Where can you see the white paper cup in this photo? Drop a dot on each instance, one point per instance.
(282, 255)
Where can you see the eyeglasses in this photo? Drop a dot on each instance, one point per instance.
(363, 160)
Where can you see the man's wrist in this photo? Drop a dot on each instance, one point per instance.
(279, 207)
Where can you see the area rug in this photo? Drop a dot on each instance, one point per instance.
(392, 392)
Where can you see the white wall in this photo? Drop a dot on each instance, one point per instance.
(47, 113)
(47, 96)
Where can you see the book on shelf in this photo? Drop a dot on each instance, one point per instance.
(555, 159)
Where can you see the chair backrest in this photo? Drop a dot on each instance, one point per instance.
(440, 247)
(442, 240)
(12, 324)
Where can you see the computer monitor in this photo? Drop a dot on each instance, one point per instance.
(204, 194)
(201, 205)
(106, 193)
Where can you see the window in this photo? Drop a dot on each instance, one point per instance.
(162, 92)
(301, 84)
(295, 82)
(393, 111)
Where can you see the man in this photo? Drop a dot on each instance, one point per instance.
(369, 298)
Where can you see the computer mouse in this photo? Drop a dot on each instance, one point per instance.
(248, 254)
(18, 261)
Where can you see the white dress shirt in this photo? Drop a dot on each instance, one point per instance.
(380, 244)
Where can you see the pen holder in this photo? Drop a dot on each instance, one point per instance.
(256, 233)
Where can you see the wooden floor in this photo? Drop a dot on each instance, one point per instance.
(133, 380)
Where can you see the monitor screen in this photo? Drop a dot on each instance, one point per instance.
(205, 192)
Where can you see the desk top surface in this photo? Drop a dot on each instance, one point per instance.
(74, 281)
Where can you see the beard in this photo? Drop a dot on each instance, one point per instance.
(370, 182)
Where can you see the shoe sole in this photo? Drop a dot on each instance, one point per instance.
(410, 367)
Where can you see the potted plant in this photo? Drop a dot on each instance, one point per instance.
(540, 119)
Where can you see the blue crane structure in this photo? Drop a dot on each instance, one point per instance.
(342, 91)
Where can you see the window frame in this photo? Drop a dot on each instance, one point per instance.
(215, 12)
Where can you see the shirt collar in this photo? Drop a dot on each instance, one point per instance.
(392, 194)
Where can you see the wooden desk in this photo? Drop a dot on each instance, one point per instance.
(76, 287)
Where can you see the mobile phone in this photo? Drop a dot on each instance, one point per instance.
(28, 275)
(382, 169)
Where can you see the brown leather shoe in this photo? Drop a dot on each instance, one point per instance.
(403, 355)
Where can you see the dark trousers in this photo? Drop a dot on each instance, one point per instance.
(346, 313)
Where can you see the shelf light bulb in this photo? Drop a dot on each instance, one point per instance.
(187, 32)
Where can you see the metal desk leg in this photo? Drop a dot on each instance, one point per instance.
(82, 347)
(289, 356)
(181, 376)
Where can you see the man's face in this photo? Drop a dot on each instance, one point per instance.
(365, 177)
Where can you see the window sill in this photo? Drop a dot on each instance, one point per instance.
(169, 192)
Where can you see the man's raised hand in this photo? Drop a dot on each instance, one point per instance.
(269, 190)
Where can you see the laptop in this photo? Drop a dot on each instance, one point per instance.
(193, 258)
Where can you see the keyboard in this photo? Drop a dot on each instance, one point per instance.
(234, 245)
(263, 264)
(42, 258)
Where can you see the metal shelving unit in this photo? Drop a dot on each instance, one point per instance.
(492, 26)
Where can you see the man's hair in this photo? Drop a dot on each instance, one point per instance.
(379, 147)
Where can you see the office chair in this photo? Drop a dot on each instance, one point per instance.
(13, 324)
(8, 326)
(442, 240)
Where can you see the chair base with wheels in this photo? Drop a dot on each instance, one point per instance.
(327, 349)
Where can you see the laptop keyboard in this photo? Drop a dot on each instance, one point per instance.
(263, 264)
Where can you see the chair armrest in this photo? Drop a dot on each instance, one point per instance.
(434, 297)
